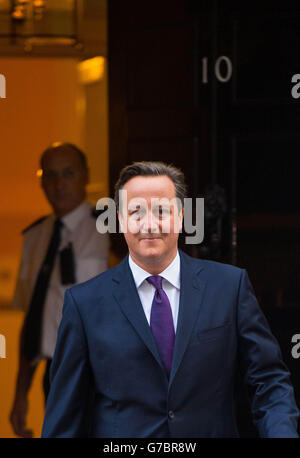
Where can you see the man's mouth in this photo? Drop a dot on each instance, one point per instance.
(151, 238)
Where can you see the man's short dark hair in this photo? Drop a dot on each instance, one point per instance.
(148, 169)
(66, 147)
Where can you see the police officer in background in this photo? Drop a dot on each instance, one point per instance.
(59, 250)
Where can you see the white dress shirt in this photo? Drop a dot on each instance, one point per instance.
(170, 284)
(90, 251)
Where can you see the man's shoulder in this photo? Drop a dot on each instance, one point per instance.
(210, 267)
(36, 223)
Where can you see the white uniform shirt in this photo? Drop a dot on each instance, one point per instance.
(170, 284)
(90, 251)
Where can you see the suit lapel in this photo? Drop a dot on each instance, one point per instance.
(126, 295)
(191, 294)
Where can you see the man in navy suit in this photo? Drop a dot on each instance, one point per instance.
(151, 348)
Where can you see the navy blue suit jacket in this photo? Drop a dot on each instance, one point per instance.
(107, 379)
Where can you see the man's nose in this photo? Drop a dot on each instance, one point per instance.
(59, 182)
(150, 223)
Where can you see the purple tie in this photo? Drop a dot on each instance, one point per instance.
(161, 322)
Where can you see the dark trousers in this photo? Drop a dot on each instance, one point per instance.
(46, 379)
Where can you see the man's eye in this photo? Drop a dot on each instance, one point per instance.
(68, 173)
(49, 174)
(136, 212)
(162, 212)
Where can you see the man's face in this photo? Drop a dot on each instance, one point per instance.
(64, 179)
(150, 221)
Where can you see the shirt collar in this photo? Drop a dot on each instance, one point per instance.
(171, 273)
(72, 219)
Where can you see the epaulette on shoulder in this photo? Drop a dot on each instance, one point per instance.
(95, 213)
(35, 223)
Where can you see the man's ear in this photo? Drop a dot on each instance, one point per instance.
(87, 175)
(181, 215)
(42, 184)
(121, 221)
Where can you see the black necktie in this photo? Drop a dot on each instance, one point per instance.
(33, 321)
(67, 265)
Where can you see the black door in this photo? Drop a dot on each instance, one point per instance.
(211, 86)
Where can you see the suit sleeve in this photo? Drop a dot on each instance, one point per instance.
(274, 409)
(69, 401)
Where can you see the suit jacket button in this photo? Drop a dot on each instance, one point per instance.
(171, 414)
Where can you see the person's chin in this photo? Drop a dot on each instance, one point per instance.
(151, 247)
(63, 207)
